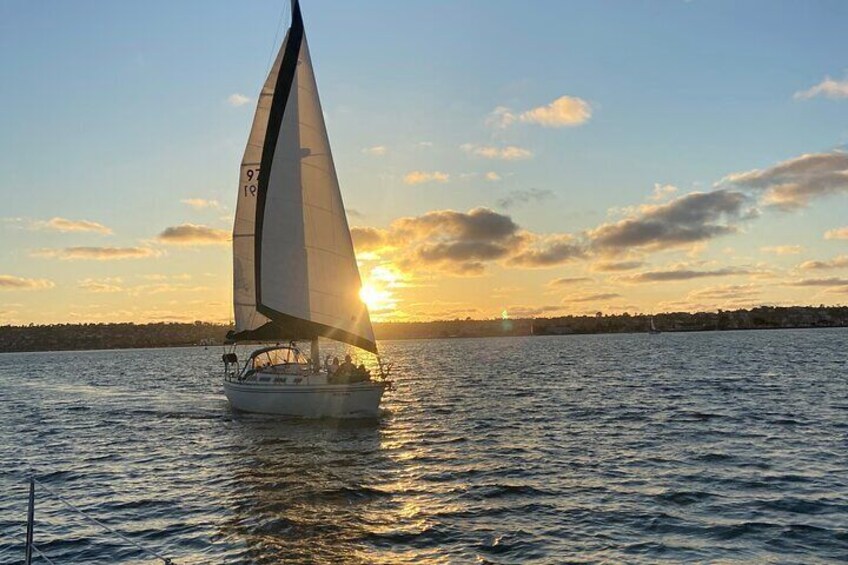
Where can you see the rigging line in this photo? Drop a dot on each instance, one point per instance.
(283, 11)
(35, 548)
(61, 499)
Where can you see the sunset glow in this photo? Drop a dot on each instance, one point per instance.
(589, 178)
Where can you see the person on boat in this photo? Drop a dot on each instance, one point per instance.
(334, 368)
(362, 374)
(346, 369)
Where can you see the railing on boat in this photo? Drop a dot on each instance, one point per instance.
(30, 532)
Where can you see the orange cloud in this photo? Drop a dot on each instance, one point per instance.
(193, 234)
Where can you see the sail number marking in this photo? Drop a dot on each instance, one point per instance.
(252, 179)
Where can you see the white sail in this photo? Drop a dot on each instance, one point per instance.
(306, 281)
(247, 318)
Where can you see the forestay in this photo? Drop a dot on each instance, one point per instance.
(295, 272)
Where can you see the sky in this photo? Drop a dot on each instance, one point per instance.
(534, 158)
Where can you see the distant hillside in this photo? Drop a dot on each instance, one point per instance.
(122, 336)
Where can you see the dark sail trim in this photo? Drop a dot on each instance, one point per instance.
(285, 79)
(284, 326)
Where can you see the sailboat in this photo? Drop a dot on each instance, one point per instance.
(653, 329)
(295, 276)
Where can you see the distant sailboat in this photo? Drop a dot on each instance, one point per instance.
(653, 329)
(295, 275)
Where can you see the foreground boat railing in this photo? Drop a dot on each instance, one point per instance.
(30, 533)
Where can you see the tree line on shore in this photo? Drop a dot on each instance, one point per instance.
(57, 337)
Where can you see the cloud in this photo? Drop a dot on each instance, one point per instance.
(725, 292)
(237, 100)
(452, 242)
(688, 219)
(192, 234)
(506, 153)
(97, 253)
(838, 233)
(828, 88)
(10, 282)
(616, 266)
(492, 176)
(107, 285)
(828, 282)
(840, 262)
(521, 311)
(200, 203)
(517, 197)
(568, 281)
(662, 191)
(683, 275)
(792, 184)
(547, 251)
(368, 239)
(376, 151)
(783, 249)
(565, 111)
(594, 297)
(65, 225)
(420, 177)
(354, 213)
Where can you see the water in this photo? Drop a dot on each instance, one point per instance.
(712, 447)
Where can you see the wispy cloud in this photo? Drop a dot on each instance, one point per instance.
(11, 282)
(107, 285)
(65, 225)
(97, 253)
(376, 151)
(201, 203)
(598, 297)
(568, 281)
(543, 251)
(616, 266)
(565, 111)
(57, 224)
(675, 275)
(793, 183)
(829, 88)
(421, 177)
(522, 311)
(838, 233)
(237, 100)
(518, 197)
(840, 262)
(692, 218)
(828, 282)
(492, 176)
(782, 249)
(506, 153)
(662, 192)
(193, 234)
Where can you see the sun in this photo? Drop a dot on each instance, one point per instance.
(374, 298)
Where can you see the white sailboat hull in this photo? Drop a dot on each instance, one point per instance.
(359, 400)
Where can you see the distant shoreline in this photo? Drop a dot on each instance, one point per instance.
(83, 337)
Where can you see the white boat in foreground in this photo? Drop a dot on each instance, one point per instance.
(295, 275)
(279, 380)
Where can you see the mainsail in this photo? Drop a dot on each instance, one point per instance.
(294, 269)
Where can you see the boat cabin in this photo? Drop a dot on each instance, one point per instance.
(271, 363)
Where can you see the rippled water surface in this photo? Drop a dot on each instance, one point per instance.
(712, 447)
